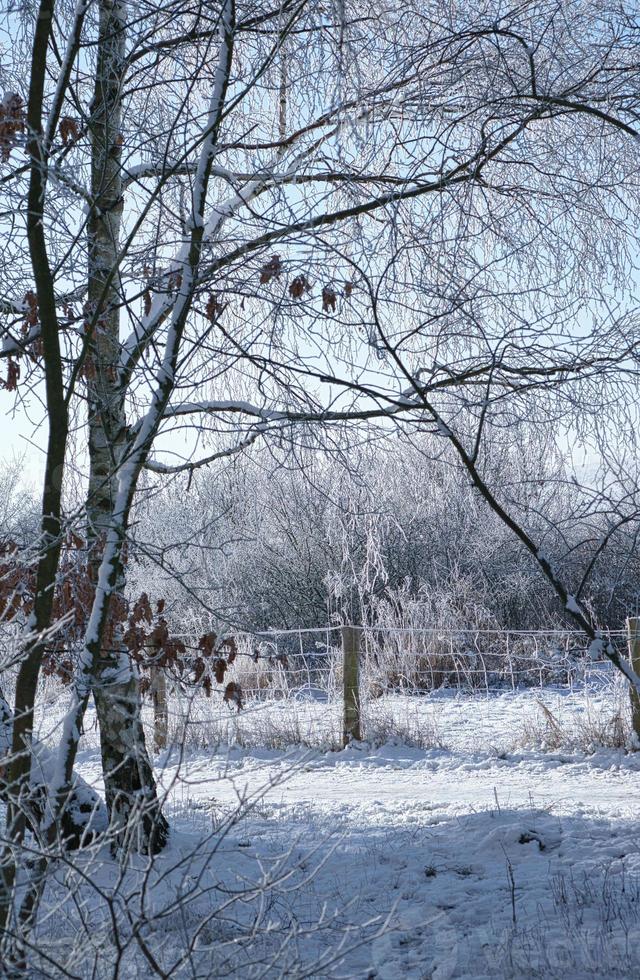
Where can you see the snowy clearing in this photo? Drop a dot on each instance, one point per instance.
(459, 862)
(427, 839)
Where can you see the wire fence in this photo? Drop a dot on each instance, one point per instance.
(416, 685)
(278, 664)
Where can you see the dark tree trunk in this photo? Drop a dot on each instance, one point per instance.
(19, 766)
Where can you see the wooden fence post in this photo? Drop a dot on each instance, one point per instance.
(633, 633)
(350, 671)
(160, 711)
(158, 684)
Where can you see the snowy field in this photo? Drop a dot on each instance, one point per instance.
(500, 844)
(526, 865)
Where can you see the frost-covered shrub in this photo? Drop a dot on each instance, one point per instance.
(334, 538)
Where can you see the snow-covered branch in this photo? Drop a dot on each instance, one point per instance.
(165, 469)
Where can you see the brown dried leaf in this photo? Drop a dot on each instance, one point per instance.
(74, 540)
(201, 675)
(118, 608)
(233, 694)
(141, 610)
(329, 299)
(159, 635)
(271, 269)
(37, 349)
(219, 669)
(134, 639)
(69, 131)
(229, 648)
(298, 287)
(172, 653)
(13, 375)
(214, 307)
(207, 644)
(31, 316)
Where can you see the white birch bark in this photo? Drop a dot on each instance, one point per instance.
(128, 774)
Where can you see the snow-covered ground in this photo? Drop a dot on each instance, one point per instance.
(482, 866)
(485, 854)
(475, 860)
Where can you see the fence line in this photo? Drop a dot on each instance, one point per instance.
(454, 630)
(417, 661)
(294, 692)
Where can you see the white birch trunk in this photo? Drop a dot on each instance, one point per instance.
(128, 775)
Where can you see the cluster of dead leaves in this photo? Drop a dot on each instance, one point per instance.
(12, 123)
(143, 626)
(73, 596)
(72, 602)
(56, 665)
(300, 285)
(148, 638)
(213, 660)
(31, 319)
(151, 644)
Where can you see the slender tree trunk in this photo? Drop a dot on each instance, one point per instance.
(128, 775)
(19, 766)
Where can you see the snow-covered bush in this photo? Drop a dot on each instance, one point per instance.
(334, 538)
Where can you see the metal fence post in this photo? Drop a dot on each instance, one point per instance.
(351, 730)
(633, 633)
